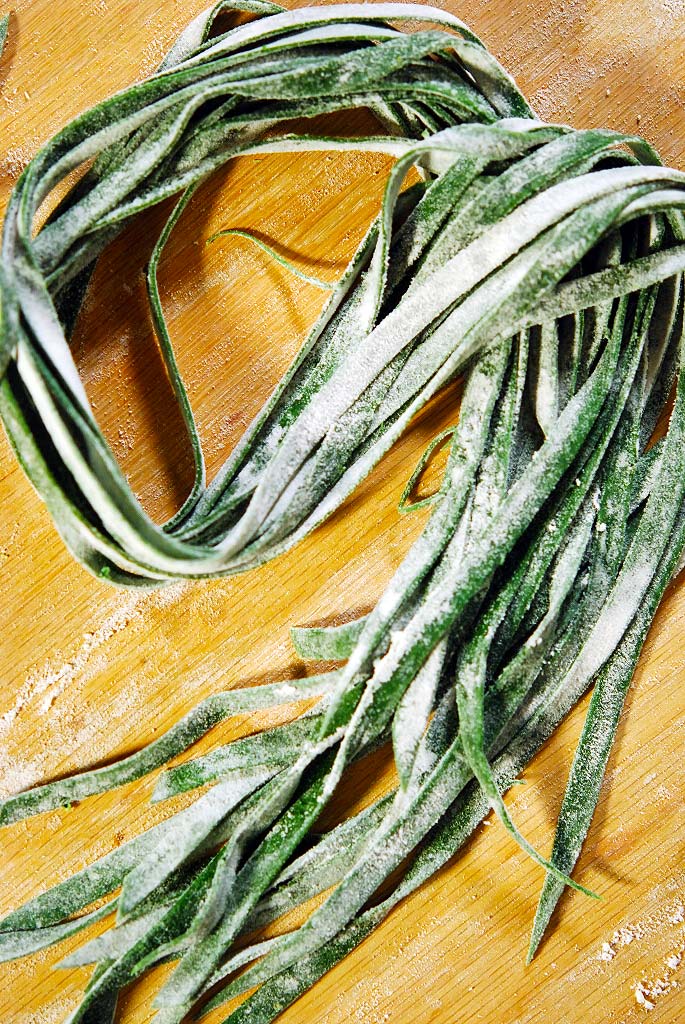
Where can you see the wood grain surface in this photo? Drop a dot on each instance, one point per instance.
(90, 673)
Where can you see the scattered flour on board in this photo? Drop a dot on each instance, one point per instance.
(50, 681)
(54, 1013)
(41, 688)
(648, 989)
(65, 728)
(672, 913)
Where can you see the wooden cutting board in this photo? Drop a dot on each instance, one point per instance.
(91, 673)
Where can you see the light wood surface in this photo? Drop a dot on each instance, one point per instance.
(90, 673)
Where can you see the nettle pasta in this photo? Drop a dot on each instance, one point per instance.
(542, 263)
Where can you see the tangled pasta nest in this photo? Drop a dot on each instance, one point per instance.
(543, 263)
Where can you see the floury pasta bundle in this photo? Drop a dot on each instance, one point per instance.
(541, 263)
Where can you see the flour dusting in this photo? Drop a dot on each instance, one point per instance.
(41, 688)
